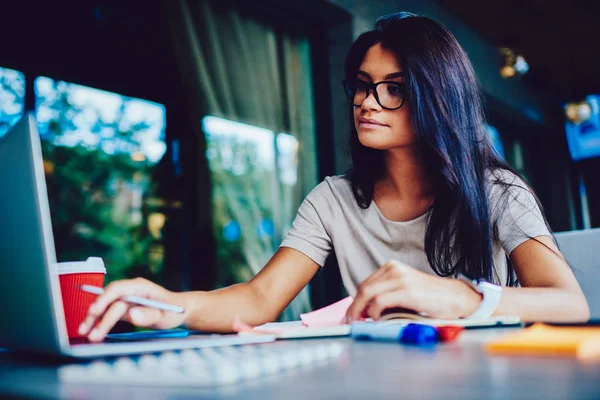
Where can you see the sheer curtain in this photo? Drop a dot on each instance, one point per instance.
(238, 68)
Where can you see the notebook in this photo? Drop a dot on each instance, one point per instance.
(541, 339)
(328, 321)
(291, 330)
(398, 315)
(324, 322)
(333, 314)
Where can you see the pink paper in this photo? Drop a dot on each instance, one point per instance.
(240, 326)
(327, 316)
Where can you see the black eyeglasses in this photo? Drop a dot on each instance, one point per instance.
(388, 94)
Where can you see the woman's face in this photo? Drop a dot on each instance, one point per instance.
(377, 127)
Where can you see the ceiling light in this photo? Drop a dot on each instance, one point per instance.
(578, 112)
(512, 64)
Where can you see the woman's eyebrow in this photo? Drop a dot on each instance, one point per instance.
(393, 75)
(363, 73)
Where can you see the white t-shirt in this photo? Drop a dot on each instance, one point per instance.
(363, 239)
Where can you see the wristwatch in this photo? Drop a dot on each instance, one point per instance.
(491, 296)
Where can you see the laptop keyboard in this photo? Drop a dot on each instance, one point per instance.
(204, 367)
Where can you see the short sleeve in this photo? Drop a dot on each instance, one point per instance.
(515, 212)
(308, 233)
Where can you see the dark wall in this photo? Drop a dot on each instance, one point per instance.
(122, 47)
(118, 47)
(519, 113)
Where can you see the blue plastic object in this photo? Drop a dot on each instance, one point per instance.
(417, 334)
(148, 335)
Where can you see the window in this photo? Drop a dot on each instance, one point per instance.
(254, 174)
(101, 150)
(255, 75)
(496, 141)
(12, 98)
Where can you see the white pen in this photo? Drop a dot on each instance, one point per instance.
(135, 300)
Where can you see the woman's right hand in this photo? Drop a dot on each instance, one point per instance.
(108, 309)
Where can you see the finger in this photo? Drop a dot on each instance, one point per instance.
(112, 293)
(390, 269)
(396, 267)
(86, 326)
(367, 293)
(389, 299)
(114, 313)
(144, 317)
(381, 272)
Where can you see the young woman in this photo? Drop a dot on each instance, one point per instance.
(426, 201)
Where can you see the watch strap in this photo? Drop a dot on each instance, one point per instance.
(491, 295)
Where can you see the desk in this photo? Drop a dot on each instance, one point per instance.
(367, 370)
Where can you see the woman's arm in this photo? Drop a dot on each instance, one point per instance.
(549, 289)
(256, 302)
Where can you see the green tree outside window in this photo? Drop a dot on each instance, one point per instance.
(100, 150)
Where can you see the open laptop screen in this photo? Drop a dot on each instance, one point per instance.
(31, 316)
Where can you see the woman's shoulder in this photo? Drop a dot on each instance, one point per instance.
(339, 182)
(503, 181)
(509, 191)
(333, 192)
(502, 175)
(515, 210)
(332, 186)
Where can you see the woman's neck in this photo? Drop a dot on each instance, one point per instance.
(406, 176)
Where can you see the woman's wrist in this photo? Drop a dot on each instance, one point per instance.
(186, 300)
(468, 299)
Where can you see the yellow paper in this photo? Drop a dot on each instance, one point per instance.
(540, 339)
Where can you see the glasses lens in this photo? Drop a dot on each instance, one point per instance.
(356, 91)
(391, 95)
(350, 90)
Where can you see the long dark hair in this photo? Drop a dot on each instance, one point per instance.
(449, 122)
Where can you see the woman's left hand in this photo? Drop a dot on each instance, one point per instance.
(399, 285)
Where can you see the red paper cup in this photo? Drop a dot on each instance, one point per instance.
(76, 302)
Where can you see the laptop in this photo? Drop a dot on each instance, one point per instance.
(31, 312)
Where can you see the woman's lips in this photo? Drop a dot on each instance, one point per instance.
(369, 123)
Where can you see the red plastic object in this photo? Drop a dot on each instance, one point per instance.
(449, 333)
(77, 302)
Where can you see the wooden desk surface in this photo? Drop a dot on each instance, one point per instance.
(366, 370)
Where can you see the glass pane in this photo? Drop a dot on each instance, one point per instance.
(12, 98)
(496, 141)
(101, 150)
(252, 194)
(287, 159)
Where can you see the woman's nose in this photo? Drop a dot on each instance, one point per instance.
(370, 102)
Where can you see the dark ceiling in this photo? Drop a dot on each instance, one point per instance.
(560, 40)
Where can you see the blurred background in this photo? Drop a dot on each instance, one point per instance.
(179, 137)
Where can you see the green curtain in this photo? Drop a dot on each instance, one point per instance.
(238, 68)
